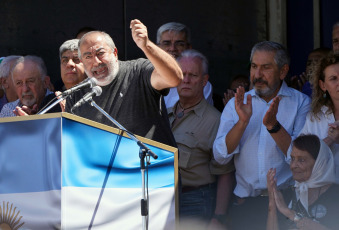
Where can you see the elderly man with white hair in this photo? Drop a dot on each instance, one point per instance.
(5, 80)
(174, 38)
(28, 76)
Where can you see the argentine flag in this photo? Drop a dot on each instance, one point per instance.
(30, 183)
(63, 173)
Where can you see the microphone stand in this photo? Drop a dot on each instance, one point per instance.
(52, 105)
(143, 152)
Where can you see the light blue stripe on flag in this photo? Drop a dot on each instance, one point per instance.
(30, 156)
(87, 152)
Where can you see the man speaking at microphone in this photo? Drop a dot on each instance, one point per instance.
(131, 90)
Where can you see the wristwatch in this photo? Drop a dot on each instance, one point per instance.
(297, 217)
(275, 128)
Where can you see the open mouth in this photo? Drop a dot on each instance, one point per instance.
(99, 72)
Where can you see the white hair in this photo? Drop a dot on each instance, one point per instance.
(35, 59)
(6, 65)
(195, 54)
(176, 27)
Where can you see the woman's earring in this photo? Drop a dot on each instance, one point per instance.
(324, 95)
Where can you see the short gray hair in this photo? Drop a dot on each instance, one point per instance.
(7, 65)
(281, 56)
(176, 27)
(71, 45)
(195, 54)
(35, 59)
(109, 41)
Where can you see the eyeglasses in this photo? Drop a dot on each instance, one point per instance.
(177, 44)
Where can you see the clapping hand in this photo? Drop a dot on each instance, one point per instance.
(61, 103)
(333, 132)
(270, 118)
(25, 110)
(244, 111)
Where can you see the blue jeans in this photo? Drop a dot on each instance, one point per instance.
(198, 203)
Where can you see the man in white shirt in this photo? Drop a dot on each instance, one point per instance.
(257, 128)
(174, 38)
(29, 80)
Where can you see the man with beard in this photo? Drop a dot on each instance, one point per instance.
(132, 91)
(29, 78)
(256, 129)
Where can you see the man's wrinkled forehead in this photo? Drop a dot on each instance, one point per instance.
(69, 53)
(171, 33)
(26, 69)
(93, 44)
(92, 39)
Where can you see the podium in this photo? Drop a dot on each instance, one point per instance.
(53, 168)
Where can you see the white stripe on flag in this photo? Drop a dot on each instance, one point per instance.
(39, 210)
(119, 208)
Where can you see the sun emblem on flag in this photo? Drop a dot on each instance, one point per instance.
(9, 217)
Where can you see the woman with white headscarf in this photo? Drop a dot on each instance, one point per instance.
(315, 203)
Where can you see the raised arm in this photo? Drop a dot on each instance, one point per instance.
(167, 72)
(244, 112)
(272, 219)
(281, 137)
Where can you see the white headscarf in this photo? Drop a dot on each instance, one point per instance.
(323, 173)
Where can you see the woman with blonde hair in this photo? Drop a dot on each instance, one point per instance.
(323, 119)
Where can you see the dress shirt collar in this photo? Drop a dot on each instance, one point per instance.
(198, 109)
(326, 110)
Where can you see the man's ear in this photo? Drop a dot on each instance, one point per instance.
(47, 80)
(48, 84)
(205, 79)
(284, 71)
(4, 82)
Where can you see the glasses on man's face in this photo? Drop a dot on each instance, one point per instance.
(65, 60)
(177, 44)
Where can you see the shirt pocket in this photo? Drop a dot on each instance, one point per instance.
(186, 143)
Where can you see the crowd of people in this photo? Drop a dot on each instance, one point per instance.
(267, 158)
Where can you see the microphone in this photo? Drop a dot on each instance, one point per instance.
(88, 82)
(96, 90)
